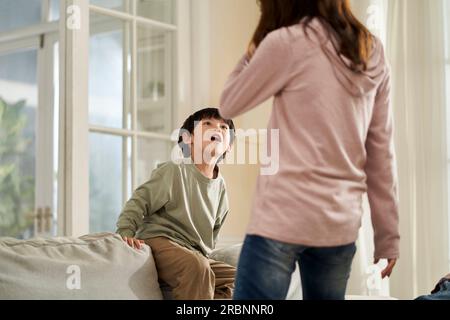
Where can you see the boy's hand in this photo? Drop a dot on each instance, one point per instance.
(133, 242)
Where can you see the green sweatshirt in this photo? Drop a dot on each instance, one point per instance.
(179, 203)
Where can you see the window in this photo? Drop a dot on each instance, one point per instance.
(131, 61)
(130, 78)
(28, 119)
(19, 13)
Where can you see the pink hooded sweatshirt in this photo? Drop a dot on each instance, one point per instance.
(335, 140)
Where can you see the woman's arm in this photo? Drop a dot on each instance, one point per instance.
(254, 81)
(381, 174)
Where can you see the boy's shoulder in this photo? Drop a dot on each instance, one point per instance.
(168, 168)
(164, 168)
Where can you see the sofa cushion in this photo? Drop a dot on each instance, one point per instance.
(98, 266)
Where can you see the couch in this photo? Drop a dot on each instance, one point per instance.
(97, 266)
(94, 267)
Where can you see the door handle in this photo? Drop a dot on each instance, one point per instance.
(43, 221)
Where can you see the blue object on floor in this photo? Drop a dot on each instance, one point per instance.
(441, 292)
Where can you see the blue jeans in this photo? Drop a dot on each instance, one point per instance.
(443, 292)
(266, 266)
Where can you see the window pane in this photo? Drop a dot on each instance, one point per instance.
(55, 127)
(18, 112)
(54, 10)
(108, 103)
(106, 166)
(151, 152)
(154, 72)
(110, 4)
(129, 172)
(161, 10)
(19, 13)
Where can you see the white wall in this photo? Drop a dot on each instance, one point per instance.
(231, 25)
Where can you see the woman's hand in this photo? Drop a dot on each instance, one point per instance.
(388, 270)
(133, 242)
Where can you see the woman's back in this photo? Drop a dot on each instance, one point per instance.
(335, 139)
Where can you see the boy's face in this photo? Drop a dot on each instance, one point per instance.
(210, 140)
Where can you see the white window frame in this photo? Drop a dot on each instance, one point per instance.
(73, 173)
(73, 180)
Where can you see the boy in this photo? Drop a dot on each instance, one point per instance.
(181, 209)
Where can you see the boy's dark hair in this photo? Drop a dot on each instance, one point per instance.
(189, 126)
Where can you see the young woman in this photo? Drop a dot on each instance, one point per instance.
(331, 84)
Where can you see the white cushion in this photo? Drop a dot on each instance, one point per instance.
(99, 266)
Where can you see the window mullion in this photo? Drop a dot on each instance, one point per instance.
(132, 17)
(126, 105)
(73, 180)
(134, 95)
(45, 11)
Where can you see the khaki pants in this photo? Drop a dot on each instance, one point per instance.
(189, 274)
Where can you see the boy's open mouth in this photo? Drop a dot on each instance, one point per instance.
(216, 137)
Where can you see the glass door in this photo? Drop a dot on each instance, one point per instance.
(18, 114)
(28, 121)
(131, 57)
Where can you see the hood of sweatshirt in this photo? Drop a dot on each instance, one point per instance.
(356, 83)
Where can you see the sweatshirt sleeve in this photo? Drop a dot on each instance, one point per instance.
(223, 212)
(252, 82)
(381, 174)
(147, 199)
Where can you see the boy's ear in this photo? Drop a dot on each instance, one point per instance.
(187, 138)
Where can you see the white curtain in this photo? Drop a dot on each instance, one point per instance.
(414, 38)
(416, 48)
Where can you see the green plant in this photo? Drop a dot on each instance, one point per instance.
(16, 184)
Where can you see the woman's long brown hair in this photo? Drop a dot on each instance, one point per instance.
(354, 39)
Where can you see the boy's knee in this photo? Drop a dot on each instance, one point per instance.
(198, 264)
